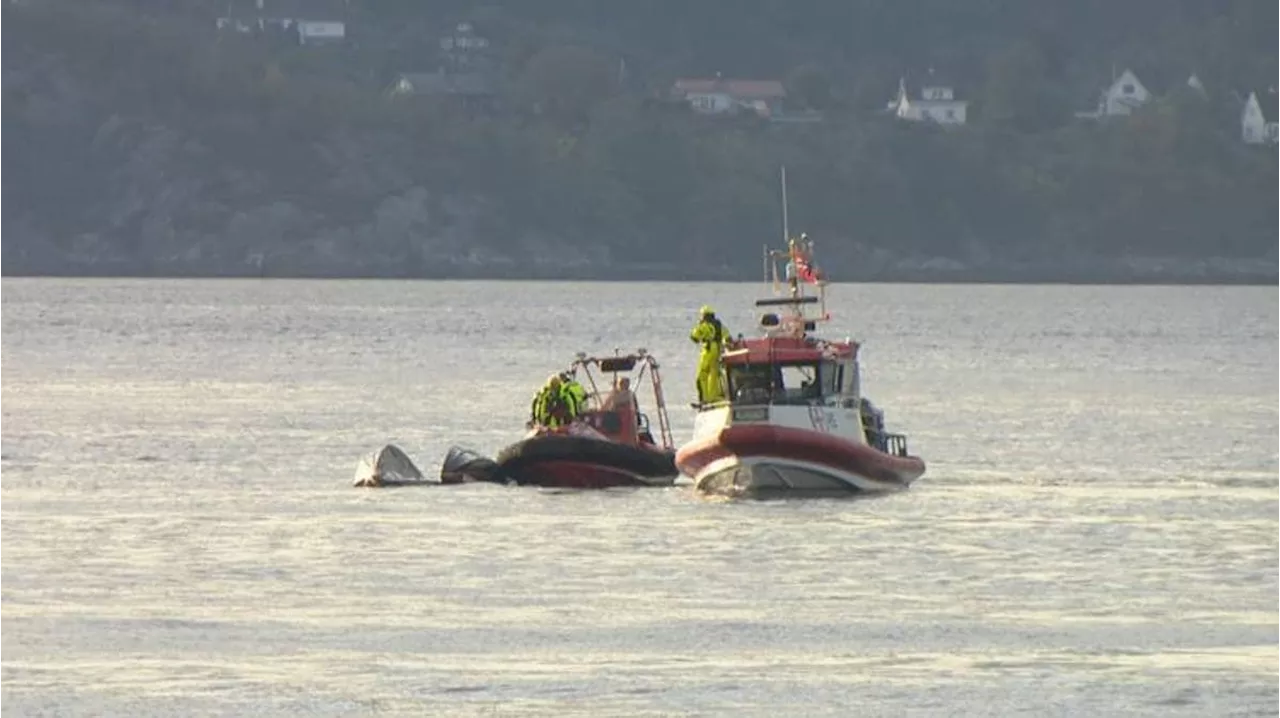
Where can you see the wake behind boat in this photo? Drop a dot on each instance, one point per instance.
(609, 444)
(795, 422)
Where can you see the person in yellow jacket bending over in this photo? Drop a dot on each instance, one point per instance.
(552, 406)
(713, 337)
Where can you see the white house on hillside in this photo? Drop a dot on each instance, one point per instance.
(936, 102)
(1127, 94)
(721, 96)
(315, 22)
(1194, 83)
(1258, 119)
(464, 48)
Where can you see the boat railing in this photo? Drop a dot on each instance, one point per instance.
(637, 366)
(786, 301)
(888, 443)
(709, 405)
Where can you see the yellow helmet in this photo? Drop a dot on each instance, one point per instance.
(553, 380)
(706, 309)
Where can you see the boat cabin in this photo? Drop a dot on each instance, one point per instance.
(792, 371)
(786, 371)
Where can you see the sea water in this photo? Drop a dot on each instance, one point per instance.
(1096, 534)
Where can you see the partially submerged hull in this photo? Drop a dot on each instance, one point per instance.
(765, 461)
(462, 465)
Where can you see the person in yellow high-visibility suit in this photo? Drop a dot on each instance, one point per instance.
(574, 393)
(713, 337)
(552, 406)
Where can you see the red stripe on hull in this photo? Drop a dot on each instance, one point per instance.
(782, 442)
(567, 474)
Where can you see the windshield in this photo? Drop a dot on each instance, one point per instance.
(774, 383)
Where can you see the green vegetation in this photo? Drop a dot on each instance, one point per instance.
(140, 140)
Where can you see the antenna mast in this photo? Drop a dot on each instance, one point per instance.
(798, 256)
(769, 254)
(786, 230)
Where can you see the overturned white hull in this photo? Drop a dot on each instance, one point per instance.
(388, 466)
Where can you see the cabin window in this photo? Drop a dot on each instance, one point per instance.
(800, 382)
(1127, 89)
(830, 377)
(782, 383)
(750, 383)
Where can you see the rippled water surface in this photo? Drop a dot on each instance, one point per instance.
(1096, 534)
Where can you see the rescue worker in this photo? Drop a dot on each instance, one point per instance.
(713, 337)
(575, 394)
(622, 396)
(551, 407)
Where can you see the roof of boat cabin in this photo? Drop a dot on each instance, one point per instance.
(619, 363)
(781, 350)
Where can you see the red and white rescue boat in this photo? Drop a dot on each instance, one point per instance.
(796, 422)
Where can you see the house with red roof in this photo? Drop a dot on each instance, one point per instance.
(716, 96)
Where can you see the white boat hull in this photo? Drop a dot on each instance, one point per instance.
(768, 477)
(388, 466)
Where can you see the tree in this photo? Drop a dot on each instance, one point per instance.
(809, 87)
(565, 82)
(1018, 92)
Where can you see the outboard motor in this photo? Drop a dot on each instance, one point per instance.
(461, 465)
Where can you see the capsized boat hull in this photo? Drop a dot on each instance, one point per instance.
(577, 462)
(388, 466)
(765, 460)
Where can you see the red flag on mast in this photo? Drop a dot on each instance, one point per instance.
(805, 271)
(800, 257)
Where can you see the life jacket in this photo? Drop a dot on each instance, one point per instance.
(575, 395)
(551, 407)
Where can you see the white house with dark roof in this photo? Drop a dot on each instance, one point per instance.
(1258, 118)
(1127, 93)
(934, 101)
